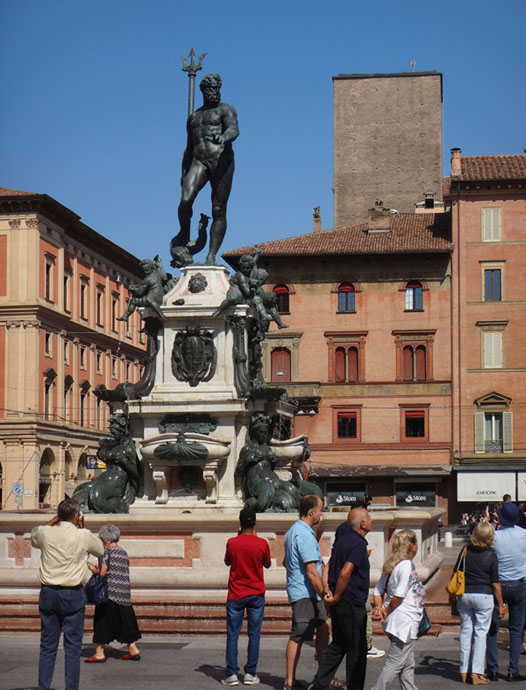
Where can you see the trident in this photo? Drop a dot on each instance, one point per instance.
(192, 70)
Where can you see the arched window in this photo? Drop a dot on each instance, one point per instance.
(414, 295)
(414, 363)
(420, 363)
(280, 364)
(346, 297)
(47, 471)
(282, 295)
(340, 364)
(352, 364)
(84, 402)
(68, 385)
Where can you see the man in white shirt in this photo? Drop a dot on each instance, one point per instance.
(65, 547)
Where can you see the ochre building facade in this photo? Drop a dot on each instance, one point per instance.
(62, 287)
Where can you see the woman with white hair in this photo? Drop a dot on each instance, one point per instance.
(399, 603)
(115, 618)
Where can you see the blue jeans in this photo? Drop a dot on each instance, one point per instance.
(255, 607)
(61, 610)
(475, 618)
(514, 594)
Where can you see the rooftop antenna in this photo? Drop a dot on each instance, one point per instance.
(413, 63)
(192, 70)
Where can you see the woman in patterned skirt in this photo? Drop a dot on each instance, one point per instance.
(115, 618)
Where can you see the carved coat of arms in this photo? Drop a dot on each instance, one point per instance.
(194, 356)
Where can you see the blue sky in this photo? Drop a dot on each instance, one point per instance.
(94, 99)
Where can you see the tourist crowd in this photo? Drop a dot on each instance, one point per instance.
(330, 604)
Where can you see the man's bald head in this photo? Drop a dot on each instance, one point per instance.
(359, 519)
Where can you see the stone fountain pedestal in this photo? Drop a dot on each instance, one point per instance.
(190, 428)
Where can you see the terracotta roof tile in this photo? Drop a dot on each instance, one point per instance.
(509, 167)
(409, 233)
(5, 191)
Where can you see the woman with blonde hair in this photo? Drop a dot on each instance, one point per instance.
(399, 603)
(476, 605)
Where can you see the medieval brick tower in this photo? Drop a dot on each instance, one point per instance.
(387, 142)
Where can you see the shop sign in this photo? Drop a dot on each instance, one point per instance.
(415, 498)
(485, 486)
(344, 498)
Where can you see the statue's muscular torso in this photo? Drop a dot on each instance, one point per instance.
(203, 125)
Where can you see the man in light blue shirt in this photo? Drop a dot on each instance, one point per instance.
(305, 586)
(510, 546)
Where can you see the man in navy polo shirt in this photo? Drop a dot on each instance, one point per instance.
(347, 594)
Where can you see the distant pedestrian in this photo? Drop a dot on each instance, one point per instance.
(247, 555)
(65, 546)
(115, 618)
(305, 586)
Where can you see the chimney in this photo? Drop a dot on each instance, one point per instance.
(317, 219)
(456, 164)
(379, 219)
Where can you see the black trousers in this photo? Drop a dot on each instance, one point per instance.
(349, 639)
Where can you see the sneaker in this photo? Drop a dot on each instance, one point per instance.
(230, 680)
(249, 679)
(375, 653)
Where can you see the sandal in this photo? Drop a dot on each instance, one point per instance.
(95, 660)
(337, 683)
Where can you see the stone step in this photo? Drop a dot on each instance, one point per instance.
(192, 617)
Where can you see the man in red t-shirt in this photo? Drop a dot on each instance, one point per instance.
(246, 555)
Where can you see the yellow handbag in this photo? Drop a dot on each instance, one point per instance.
(457, 584)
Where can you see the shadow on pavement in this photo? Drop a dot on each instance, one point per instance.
(431, 665)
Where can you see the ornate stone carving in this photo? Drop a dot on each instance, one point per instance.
(32, 222)
(181, 423)
(15, 223)
(197, 283)
(194, 356)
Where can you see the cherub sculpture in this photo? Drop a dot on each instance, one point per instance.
(246, 287)
(151, 291)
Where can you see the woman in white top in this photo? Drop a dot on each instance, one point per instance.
(399, 603)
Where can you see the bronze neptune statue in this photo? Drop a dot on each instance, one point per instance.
(209, 157)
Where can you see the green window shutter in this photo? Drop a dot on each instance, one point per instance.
(479, 432)
(507, 432)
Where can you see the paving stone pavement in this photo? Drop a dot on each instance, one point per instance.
(190, 663)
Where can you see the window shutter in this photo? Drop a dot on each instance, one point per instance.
(491, 224)
(407, 359)
(339, 357)
(479, 432)
(352, 357)
(507, 432)
(493, 350)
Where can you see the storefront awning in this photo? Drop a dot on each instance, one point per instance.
(354, 471)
